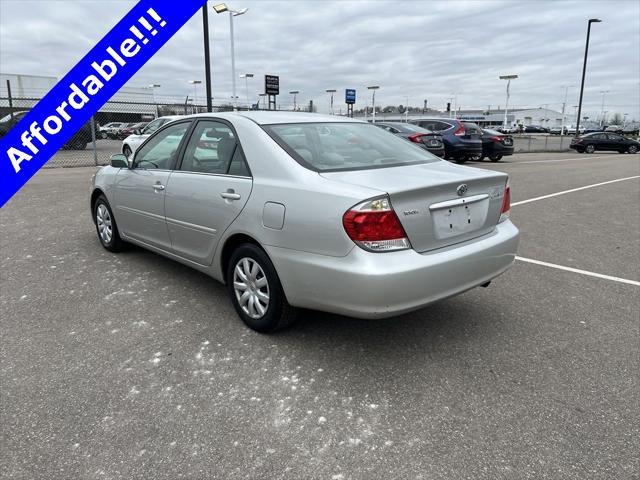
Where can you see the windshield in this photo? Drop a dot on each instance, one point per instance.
(345, 146)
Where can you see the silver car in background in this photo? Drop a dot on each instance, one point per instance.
(311, 211)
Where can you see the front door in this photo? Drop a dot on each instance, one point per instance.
(140, 190)
(207, 191)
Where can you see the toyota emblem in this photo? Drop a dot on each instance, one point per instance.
(462, 189)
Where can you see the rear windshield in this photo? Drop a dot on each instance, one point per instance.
(470, 127)
(345, 146)
(492, 132)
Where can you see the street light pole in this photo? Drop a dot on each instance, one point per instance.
(207, 57)
(221, 8)
(246, 77)
(373, 89)
(406, 111)
(294, 93)
(195, 83)
(564, 106)
(584, 71)
(508, 78)
(603, 92)
(331, 91)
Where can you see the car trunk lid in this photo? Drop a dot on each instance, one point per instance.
(438, 204)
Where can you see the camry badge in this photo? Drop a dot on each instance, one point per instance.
(462, 189)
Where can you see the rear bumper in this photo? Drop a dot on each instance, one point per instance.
(463, 148)
(379, 285)
(497, 149)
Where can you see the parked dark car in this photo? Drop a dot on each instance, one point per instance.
(130, 130)
(461, 139)
(591, 142)
(425, 138)
(496, 145)
(78, 141)
(535, 129)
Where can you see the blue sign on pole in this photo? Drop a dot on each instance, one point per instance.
(350, 96)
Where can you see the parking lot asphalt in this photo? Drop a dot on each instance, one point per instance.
(134, 366)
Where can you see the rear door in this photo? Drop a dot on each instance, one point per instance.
(140, 190)
(207, 191)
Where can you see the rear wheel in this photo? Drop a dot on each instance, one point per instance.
(589, 149)
(460, 159)
(256, 292)
(495, 158)
(632, 149)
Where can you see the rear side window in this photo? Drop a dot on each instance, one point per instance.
(210, 148)
(345, 146)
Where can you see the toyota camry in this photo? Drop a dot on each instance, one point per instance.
(295, 210)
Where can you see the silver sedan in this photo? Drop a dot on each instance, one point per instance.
(310, 211)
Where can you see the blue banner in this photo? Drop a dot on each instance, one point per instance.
(87, 87)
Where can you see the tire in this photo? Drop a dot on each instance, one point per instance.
(103, 135)
(126, 150)
(589, 149)
(474, 158)
(580, 150)
(103, 217)
(460, 159)
(632, 149)
(495, 158)
(269, 315)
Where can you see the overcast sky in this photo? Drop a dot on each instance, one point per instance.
(420, 49)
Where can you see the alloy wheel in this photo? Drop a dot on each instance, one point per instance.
(251, 287)
(103, 220)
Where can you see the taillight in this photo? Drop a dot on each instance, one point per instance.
(416, 137)
(497, 139)
(460, 131)
(506, 203)
(374, 226)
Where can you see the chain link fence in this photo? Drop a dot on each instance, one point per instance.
(102, 137)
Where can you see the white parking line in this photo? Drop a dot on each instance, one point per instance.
(535, 199)
(555, 160)
(582, 272)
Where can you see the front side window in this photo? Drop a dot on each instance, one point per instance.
(160, 150)
(210, 148)
(345, 146)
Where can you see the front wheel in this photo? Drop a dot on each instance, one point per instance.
(106, 226)
(495, 158)
(589, 149)
(256, 292)
(632, 149)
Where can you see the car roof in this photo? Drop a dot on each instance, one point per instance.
(275, 117)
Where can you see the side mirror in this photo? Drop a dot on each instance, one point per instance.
(119, 161)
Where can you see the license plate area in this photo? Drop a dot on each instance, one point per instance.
(460, 216)
(508, 141)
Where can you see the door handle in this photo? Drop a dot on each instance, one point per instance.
(230, 195)
(158, 186)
